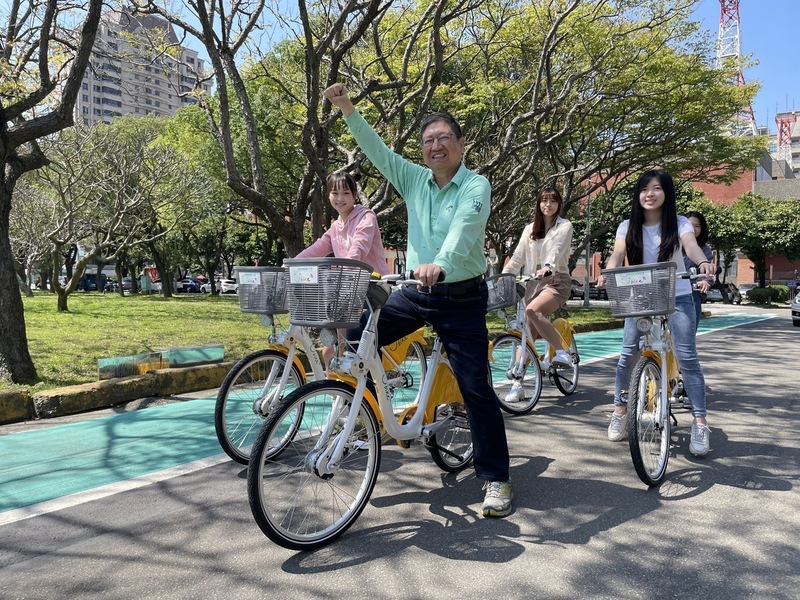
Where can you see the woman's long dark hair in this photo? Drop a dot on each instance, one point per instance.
(669, 220)
(538, 231)
(702, 237)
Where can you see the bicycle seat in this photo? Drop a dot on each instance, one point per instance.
(378, 293)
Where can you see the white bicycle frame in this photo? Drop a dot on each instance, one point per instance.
(368, 361)
(520, 323)
(287, 339)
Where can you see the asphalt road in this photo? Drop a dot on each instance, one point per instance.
(725, 526)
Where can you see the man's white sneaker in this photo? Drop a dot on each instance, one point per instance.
(618, 428)
(516, 393)
(562, 359)
(700, 444)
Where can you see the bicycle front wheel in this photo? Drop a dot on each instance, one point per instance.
(296, 501)
(505, 352)
(566, 380)
(451, 448)
(238, 414)
(648, 438)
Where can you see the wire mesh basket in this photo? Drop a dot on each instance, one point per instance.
(502, 291)
(641, 290)
(262, 290)
(327, 292)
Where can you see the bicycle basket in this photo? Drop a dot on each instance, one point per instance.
(641, 290)
(327, 292)
(502, 291)
(262, 290)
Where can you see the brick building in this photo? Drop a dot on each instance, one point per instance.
(772, 178)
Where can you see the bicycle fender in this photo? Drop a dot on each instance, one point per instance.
(398, 349)
(444, 391)
(283, 350)
(370, 397)
(516, 334)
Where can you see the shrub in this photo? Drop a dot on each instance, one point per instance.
(759, 295)
(780, 293)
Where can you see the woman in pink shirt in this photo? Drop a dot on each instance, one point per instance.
(355, 234)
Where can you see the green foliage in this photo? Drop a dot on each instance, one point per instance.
(765, 227)
(779, 293)
(760, 295)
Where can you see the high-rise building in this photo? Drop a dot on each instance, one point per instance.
(138, 67)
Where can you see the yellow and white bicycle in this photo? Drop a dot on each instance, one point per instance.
(508, 361)
(317, 457)
(257, 382)
(647, 293)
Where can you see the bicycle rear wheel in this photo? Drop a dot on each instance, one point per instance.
(451, 448)
(648, 439)
(505, 349)
(295, 503)
(238, 415)
(566, 380)
(405, 380)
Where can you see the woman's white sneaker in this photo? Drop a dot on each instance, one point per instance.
(700, 444)
(516, 393)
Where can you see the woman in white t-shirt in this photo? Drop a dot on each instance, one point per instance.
(655, 233)
(543, 250)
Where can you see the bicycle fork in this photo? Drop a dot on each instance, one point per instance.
(657, 344)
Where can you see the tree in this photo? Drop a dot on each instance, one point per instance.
(30, 223)
(44, 51)
(764, 227)
(117, 189)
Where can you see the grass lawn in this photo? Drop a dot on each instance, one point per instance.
(65, 347)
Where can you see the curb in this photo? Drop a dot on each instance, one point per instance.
(21, 405)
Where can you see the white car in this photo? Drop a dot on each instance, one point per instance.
(228, 286)
(206, 288)
(796, 311)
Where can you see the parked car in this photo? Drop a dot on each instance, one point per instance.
(796, 311)
(187, 286)
(205, 288)
(714, 294)
(577, 289)
(746, 287)
(228, 286)
(126, 283)
(597, 293)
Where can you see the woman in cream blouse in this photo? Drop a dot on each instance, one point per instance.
(543, 251)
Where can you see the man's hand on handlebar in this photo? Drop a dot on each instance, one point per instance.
(429, 274)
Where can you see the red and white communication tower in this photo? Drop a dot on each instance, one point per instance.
(785, 123)
(729, 47)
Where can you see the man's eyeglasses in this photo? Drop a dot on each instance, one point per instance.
(441, 139)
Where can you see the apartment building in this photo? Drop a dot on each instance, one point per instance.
(138, 67)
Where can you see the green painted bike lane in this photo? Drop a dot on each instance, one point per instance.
(60, 460)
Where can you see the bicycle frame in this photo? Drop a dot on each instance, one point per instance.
(518, 327)
(656, 343)
(286, 343)
(355, 367)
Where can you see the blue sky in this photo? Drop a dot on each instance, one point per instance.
(768, 30)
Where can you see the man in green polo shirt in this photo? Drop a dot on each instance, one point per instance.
(448, 206)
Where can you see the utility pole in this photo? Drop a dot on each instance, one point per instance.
(588, 250)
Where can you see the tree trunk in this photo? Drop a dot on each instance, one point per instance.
(15, 360)
(62, 299)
